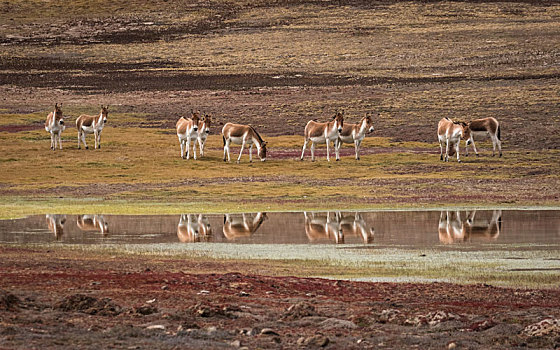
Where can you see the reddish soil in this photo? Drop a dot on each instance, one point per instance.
(58, 299)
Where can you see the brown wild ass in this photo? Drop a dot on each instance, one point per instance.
(453, 229)
(187, 130)
(56, 222)
(483, 128)
(235, 227)
(203, 131)
(355, 133)
(450, 134)
(195, 229)
(55, 126)
(93, 223)
(243, 135)
(92, 124)
(319, 227)
(323, 132)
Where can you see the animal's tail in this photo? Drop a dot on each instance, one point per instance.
(224, 139)
(499, 129)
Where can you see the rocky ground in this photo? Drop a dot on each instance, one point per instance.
(52, 300)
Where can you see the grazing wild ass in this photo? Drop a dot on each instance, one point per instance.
(242, 135)
(323, 132)
(193, 229)
(203, 131)
(450, 134)
(93, 223)
(355, 133)
(55, 126)
(92, 124)
(56, 222)
(483, 128)
(187, 130)
(244, 226)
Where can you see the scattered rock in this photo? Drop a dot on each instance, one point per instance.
(8, 301)
(244, 294)
(146, 310)
(316, 340)
(432, 318)
(89, 305)
(165, 287)
(388, 316)
(299, 310)
(548, 327)
(331, 323)
(451, 345)
(268, 331)
(236, 343)
(156, 327)
(481, 325)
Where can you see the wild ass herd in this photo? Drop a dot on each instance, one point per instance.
(196, 128)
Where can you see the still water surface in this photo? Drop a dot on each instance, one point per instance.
(377, 228)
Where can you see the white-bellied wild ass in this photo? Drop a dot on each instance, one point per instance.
(244, 226)
(193, 229)
(450, 134)
(55, 126)
(483, 128)
(319, 227)
(323, 132)
(243, 135)
(92, 124)
(93, 223)
(56, 222)
(187, 130)
(203, 131)
(355, 133)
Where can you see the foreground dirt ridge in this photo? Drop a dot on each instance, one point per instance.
(161, 304)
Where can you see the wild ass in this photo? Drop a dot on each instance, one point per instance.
(323, 132)
(187, 130)
(93, 223)
(242, 135)
(55, 126)
(483, 128)
(453, 229)
(355, 225)
(450, 133)
(355, 133)
(235, 227)
(92, 124)
(203, 131)
(56, 222)
(193, 229)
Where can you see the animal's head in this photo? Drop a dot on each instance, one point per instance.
(104, 113)
(57, 114)
(195, 116)
(339, 121)
(466, 131)
(369, 123)
(262, 151)
(206, 122)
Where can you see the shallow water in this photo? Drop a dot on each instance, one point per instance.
(377, 228)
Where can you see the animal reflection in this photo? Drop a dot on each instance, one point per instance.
(56, 223)
(244, 226)
(453, 229)
(193, 228)
(336, 226)
(93, 223)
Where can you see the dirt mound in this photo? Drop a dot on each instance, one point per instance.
(8, 301)
(89, 305)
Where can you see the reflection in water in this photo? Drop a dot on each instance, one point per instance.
(194, 228)
(56, 222)
(95, 223)
(244, 226)
(454, 229)
(410, 228)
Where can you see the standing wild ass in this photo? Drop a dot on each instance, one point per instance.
(323, 132)
(355, 133)
(92, 124)
(187, 130)
(55, 126)
(450, 133)
(203, 131)
(242, 135)
(483, 128)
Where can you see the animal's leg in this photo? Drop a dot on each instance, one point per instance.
(52, 140)
(336, 149)
(447, 150)
(457, 150)
(60, 139)
(498, 143)
(194, 149)
(201, 147)
(241, 151)
(188, 145)
(79, 136)
(227, 150)
(99, 139)
(312, 151)
(182, 148)
(251, 153)
(357, 148)
(95, 139)
(303, 150)
(328, 151)
(440, 150)
(84, 140)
